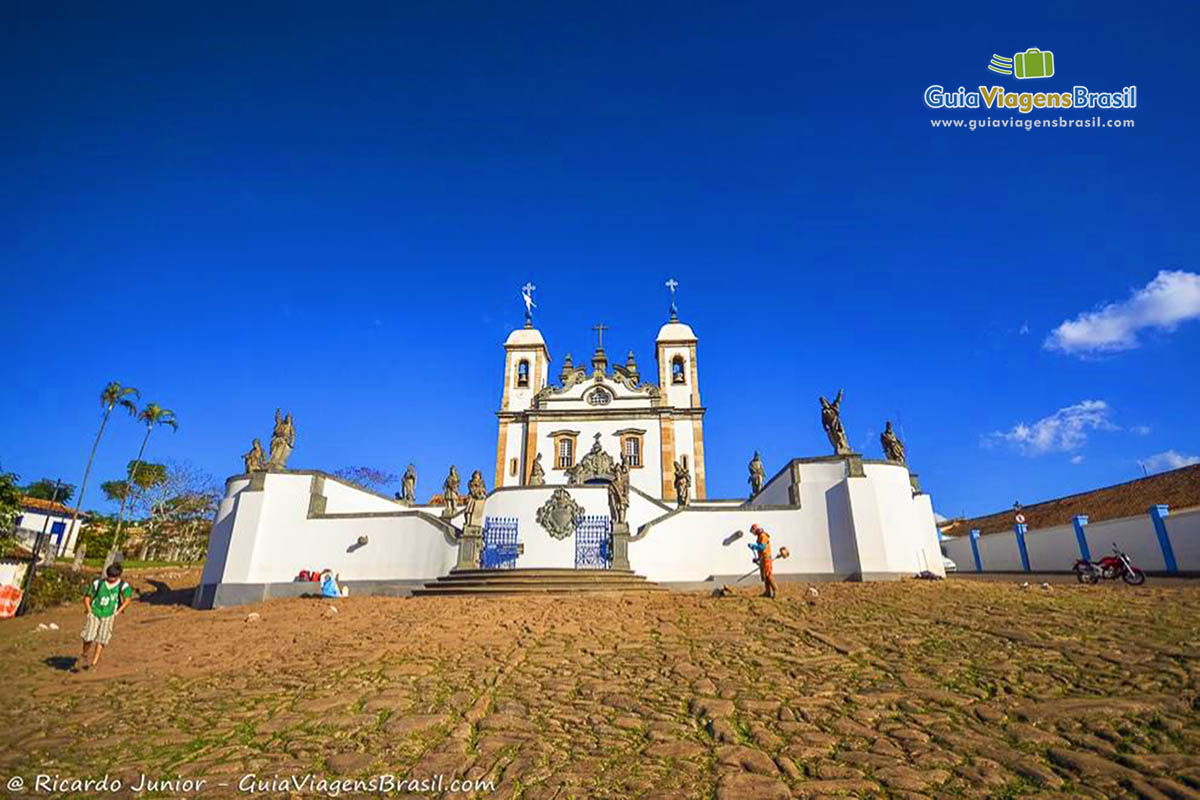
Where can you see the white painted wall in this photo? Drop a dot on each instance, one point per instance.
(1134, 535)
(868, 525)
(343, 498)
(691, 545)
(32, 522)
(266, 537)
(1051, 549)
(1055, 549)
(1184, 530)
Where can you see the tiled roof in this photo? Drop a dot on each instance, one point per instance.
(1179, 489)
(38, 504)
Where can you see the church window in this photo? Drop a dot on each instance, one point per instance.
(599, 398)
(677, 374)
(523, 373)
(512, 466)
(631, 447)
(566, 453)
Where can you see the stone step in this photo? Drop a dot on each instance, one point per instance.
(435, 589)
(547, 580)
(542, 571)
(510, 576)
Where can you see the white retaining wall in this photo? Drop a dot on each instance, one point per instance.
(869, 526)
(267, 537)
(1055, 549)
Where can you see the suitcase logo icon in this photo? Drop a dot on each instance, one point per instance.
(1033, 63)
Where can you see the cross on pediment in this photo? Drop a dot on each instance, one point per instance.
(599, 328)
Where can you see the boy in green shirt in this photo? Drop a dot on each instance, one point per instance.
(103, 601)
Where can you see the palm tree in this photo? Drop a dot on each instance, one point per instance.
(152, 415)
(113, 395)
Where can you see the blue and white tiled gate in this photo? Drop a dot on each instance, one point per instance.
(500, 547)
(593, 542)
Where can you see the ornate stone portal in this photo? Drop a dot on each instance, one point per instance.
(560, 514)
(597, 464)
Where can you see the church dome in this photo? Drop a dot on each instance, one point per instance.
(525, 337)
(675, 332)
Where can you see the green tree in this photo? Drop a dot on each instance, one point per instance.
(148, 475)
(45, 490)
(151, 416)
(10, 507)
(113, 395)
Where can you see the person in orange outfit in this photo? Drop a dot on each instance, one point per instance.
(766, 569)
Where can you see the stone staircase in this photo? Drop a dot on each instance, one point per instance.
(536, 581)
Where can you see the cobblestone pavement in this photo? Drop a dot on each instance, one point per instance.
(901, 690)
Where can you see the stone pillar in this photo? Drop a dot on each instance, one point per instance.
(1020, 529)
(1079, 521)
(1158, 515)
(80, 555)
(975, 550)
(470, 547)
(620, 546)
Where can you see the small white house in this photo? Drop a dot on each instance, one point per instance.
(39, 515)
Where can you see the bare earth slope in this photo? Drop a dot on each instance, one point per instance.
(952, 689)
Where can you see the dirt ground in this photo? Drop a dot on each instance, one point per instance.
(900, 690)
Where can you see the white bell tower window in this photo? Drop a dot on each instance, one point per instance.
(523, 373)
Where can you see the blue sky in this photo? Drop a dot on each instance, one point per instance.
(332, 208)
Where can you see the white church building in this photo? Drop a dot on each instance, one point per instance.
(842, 517)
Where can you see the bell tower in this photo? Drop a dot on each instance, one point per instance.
(682, 419)
(526, 372)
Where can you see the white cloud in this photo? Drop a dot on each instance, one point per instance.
(1161, 462)
(1140, 430)
(1024, 329)
(1062, 431)
(1076, 459)
(1171, 298)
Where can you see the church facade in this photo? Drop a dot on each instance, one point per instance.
(548, 430)
(598, 467)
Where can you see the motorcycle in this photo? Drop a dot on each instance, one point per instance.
(1111, 567)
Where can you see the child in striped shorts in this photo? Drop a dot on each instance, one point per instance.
(103, 601)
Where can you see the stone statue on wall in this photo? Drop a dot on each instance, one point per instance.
(476, 493)
(618, 492)
(283, 439)
(758, 476)
(408, 485)
(683, 484)
(893, 448)
(537, 474)
(255, 460)
(450, 492)
(831, 419)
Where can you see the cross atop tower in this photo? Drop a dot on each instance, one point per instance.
(527, 297)
(673, 284)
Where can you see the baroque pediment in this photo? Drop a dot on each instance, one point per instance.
(577, 383)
